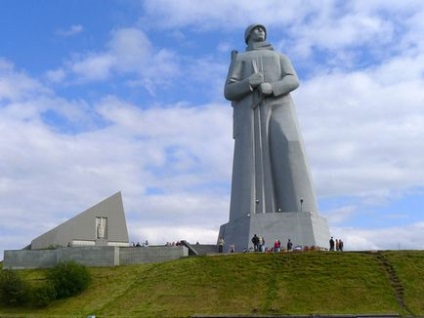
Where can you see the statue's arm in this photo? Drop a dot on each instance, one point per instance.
(289, 81)
(237, 87)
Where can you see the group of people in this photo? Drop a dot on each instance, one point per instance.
(221, 244)
(138, 244)
(178, 243)
(336, 244)
(259, 245)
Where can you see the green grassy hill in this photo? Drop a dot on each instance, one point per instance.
(286, 283)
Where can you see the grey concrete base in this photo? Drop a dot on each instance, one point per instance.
(91, 256)
(151, 254)
(303, 228)
(200, 249)
(22, 259)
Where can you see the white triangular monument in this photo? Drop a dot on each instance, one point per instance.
(103, 224)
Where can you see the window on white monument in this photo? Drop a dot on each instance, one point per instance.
(101, 227)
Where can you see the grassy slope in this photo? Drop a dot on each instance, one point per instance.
(307, 283)
(409, 267)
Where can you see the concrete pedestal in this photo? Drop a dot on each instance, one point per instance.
(302, 228)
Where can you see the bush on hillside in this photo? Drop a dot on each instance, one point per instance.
(43, 295)
(69, 279)
(13, 290)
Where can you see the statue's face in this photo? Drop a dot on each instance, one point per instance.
(257, 35)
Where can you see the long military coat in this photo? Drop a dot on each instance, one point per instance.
(270, 171)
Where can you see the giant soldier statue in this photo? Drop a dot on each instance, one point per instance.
(272, 192)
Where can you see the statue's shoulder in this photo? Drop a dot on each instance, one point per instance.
(283, 56)
(240, 57)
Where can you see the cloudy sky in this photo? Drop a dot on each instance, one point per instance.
(101, 96)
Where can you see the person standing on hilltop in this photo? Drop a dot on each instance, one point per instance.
(221, 245)
(331, 244)
(289, 245)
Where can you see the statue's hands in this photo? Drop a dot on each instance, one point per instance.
(256, 79)
(266, 88)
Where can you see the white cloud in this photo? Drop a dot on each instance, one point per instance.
(5, 66)
(393, 238)
(161, 235)
(56, 76)
(15, 85)
(130, 49)
(363, 128)
(93, 67)
(223, 14)
(128, 52)
(71, 31)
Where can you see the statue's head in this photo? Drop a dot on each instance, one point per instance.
(249, 30)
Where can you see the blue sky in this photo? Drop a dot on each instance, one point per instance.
(98, 97)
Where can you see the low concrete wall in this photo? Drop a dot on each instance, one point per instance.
(151, 254)
(200, 249)
(29, 259)
(91, 256)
